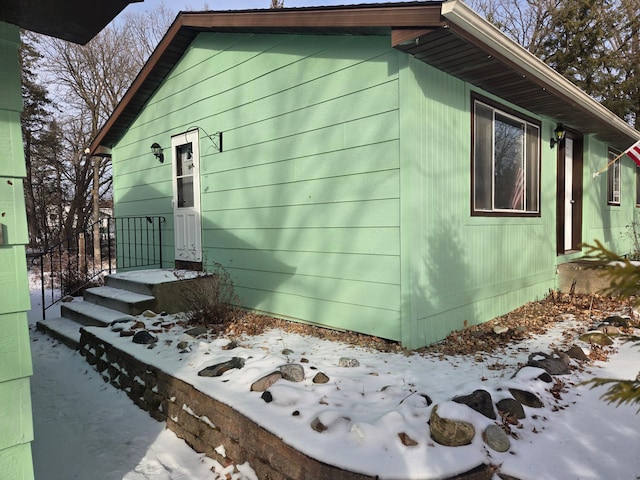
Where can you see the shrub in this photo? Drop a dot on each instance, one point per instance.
(212, 300)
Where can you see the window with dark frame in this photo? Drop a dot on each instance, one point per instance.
(613, 179)
(506, 161)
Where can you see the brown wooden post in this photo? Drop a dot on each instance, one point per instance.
(82, 263)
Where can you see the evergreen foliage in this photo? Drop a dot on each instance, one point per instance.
(625, 281)
(593, 43)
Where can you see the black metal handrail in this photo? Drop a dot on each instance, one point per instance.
(74, 264)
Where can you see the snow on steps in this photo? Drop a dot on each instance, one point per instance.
(88, 313)
(124, 295)
(62, 329)
(76, 315)
(125, 301)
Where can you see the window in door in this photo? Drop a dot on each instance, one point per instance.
(184, 175)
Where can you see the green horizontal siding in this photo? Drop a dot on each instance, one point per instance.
(15, 356)
(16, 428)
(368, 241)
(302, 206)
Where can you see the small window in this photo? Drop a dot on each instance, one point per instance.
(506, 162)
(613, 179)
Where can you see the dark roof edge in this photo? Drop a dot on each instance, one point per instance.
(187, 25)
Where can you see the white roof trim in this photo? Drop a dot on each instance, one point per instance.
(457, 13)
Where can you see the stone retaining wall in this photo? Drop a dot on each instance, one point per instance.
(205, 423)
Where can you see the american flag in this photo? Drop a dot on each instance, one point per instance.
(517, 197)
(634, 152)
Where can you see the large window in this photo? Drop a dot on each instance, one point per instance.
(613, 179)
(506, 162)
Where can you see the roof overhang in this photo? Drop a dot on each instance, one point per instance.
(447, 35)
(472, 49)
(77, 21)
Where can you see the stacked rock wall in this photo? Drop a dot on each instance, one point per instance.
(203, 422)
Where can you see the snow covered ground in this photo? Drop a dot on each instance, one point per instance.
(86, 429)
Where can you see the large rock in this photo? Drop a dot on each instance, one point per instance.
(144, 338)
(511, 408)
(265, 382)
(321, 378)
(293, 372)
(480, 401)
(496, 438)
(553, 365)
(220, 368)
(450, 433)
(526, 398)
(347, 362)
(598, 338)
(577, 353)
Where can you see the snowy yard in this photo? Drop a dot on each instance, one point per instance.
(86, 428)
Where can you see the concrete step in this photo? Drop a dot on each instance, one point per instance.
(146, 282)
(167, 286)
(62, 329)
(124, 301)
(85, 313)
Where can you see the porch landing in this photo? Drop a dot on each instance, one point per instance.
(582, 277)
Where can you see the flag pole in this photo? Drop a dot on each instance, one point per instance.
(609, 164)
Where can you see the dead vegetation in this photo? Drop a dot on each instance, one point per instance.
(531, 319)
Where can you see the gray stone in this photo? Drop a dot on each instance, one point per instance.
(182, 346)
(220, 368)
(144, 338)
(149, 314)
(265, 382)
(545, 377)
(292, 372)
(450, 433)
(609, 329)
(195, 331)
(406, 440)
(320, 378)
(480, 401)
(552, 365)
(348, 362)
(598, 338)
(577, 353)
(526, 398)
(267, 397)
(287, 352)
(496, 438)
(317, 425)
(617, 321)
(511, 408)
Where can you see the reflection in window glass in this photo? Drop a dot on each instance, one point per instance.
(184, 175)
(506, 161)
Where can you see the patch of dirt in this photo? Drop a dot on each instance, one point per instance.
(531, 319)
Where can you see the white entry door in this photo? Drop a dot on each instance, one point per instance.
(186, 196)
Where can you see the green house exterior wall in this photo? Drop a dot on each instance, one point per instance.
(342, 196)
(16, 425)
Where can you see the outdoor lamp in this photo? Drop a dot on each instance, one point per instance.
(157, 151)
(558, 135)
